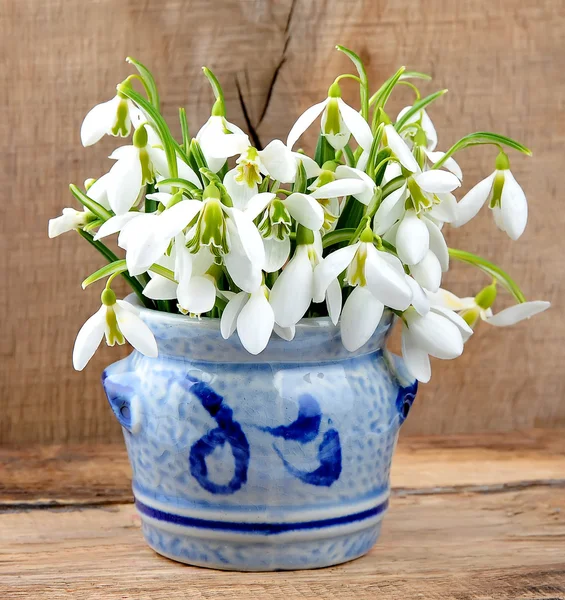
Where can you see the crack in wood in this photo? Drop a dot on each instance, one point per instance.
(250, 127)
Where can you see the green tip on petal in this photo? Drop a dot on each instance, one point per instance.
(502, 162)
(334, 90)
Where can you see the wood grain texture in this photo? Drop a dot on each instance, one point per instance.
(501, 59)
(87, 474)
(479, 538)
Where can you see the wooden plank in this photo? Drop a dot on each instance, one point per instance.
(460, 546)
(100, 474)
(501, 59)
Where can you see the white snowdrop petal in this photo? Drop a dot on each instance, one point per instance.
(98, 121)
(255, 323)
(437, 244)
(292, 291)
(98, 191)
(391, 209)
(135, 330)
(386, 283)
(428, 272)
(333, 301)
(400, 149)
(249, 236)
(437, 182)
(420, 300)
(125, 183)
(473, 201)
(245, 274)
(339, 187)
(449, 164)
(186, 172)
(517, 313)
(240, 193)
(305, 210)
(88, 338)
(311, 167)
(197, 295)
(360, 317)
(257, 204)
(278, 161)
(446, 210)
(462, 325)
(286, 333)
(437, 335)
(345, 172)
(417, 360)
(446, 299)
(160, 288)
(304, 121)
(513, 207)
(330, 268)
(115, 224)
(175, 219)
(276, 254)
(228, 322)
(412, 239)
(356, 124)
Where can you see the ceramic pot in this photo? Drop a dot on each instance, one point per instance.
(259, 463)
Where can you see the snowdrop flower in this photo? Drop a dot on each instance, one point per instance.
(275, 224)
(70, 219)
(506, 199)
(119, 321)
(339, 122)
(479, 307)
(379, 281)
(219, 139)
(137, 165)
(146, 236)
(293, 291)
(423, 123)
(276, 160)
(193, 288)
(440, 332)
(109, 118)
(254, 319)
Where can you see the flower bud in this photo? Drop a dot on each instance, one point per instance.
(486, 297)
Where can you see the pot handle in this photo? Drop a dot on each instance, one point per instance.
(407, 385)
(123, 399)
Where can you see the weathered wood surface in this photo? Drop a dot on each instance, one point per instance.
(438, 541)
(502, 60)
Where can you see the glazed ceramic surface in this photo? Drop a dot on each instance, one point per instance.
(276, 461)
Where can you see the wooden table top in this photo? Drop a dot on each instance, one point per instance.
(471, 517)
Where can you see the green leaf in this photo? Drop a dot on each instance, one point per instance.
(480, 138)
(415, 75)
(418, 106)
(301, 181)
(118, 266)
(184, 129)
(338, 236)
(364, 87)
(148, 81)
(196, 156)
(490, 269)
(169, 143)
(183, 184)
(324, 151)
(216, 87)
(210, 176)
(163, 271)
(380, 97)
(93, 207)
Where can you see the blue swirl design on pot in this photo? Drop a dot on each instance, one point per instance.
(276, 461)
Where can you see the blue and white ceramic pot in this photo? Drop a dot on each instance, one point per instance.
(259, 463)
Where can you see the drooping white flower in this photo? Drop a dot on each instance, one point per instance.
(275, 224)
(119, 321)
(439, 332)
(219, 139)
(379, 281)
(70, 219)
(194, 290)
(254, 318)
(505, 196)
(276, 160)
(424, 123)
(137, 165)
(339, 122)
(293, 291)
(472, 309)
(109, 118)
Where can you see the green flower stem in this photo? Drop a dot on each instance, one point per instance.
(338, 236)
(393, 185)
(111, 258)
(217, 89)
(148, 81)
(184, 128)
(480, 138)
(349, 157)
(363, 79)
(490, 269)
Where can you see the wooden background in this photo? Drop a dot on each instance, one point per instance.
(503, 61)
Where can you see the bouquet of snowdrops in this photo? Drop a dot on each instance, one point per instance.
(260, 238)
